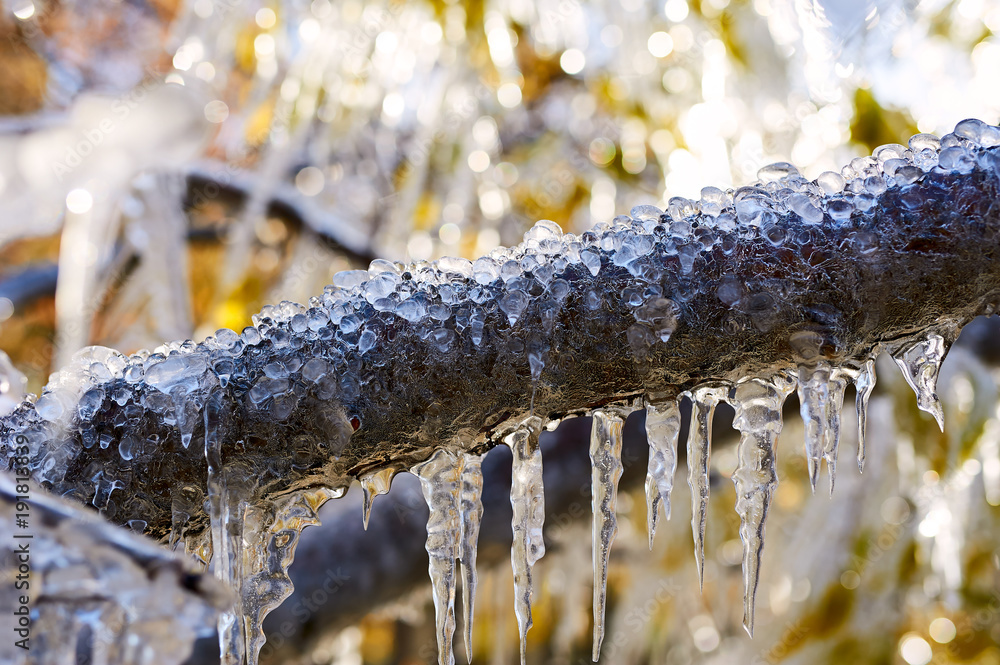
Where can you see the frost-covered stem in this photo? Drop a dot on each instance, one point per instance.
(405, 359)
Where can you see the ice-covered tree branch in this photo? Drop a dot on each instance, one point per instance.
(738, 294)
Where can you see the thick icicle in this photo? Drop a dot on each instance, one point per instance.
(441, 482)
(471, 507)
(273, 534)
(699, 450)
(663, 424)
(920, 362)
(375, 483)
(863, 385)
(528, 502)
(606, 471)
(758, 418)
(814, 402)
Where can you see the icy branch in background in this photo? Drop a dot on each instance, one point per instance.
(785, 277)
(95, 590)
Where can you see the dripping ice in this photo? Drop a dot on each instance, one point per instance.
(663, 423)
(699, 445)
(920, 363)
(452, 484)
(441, 483)
(606, 465)
(527, 499)
(821, 399)
(864, 383)
(758, 418)
(372, 485)
(471, 508)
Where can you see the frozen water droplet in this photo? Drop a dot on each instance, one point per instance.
(839, 209)
(956, 158)
(758, 419)
(440, 481)
(128, 447)
(646, 213)
(373, 484)
(379, 266)
(367, 341)
(513, 305)
(606, 471)
(485, 270)
(971, 129)
(180, 371)
(544, 229)
(776, 171)
(633, 247)
(920, 142)
(455, 267)
(661, 316)
(471, 506)
(863, 384)
(663, 423)
(592, 259)
(527, 499)
(920, 362)
(704, 399)
(803, 206)
(412, 309)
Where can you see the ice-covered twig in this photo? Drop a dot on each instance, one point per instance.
(898, 251)
(82, 587)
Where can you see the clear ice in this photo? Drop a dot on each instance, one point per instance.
(704, 399)
(920, 362)
(373, 484)
(527, 499)
(663, 424)
(758, 418)
(471, 506)
(814, 397)
(313, 361)
(821, 400)
(253, 545)
(606, 471)
(441, 483)
(864, 383)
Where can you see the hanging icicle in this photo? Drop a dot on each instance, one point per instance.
(527, 499)
(372, 485)
(471, 507)
(440, 481)
(758, 418)
(704, 399)
(606, 471)
(663, 424)
(814, 400)
(831, 434)
(920, 362)
(864, 383)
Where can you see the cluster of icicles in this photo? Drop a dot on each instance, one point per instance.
(452, 481)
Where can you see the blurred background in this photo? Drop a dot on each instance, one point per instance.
(168, 167)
